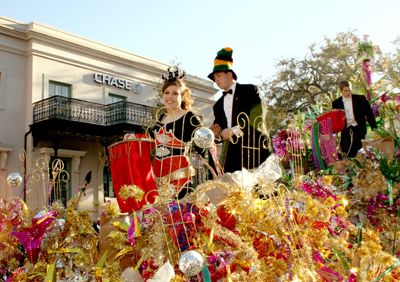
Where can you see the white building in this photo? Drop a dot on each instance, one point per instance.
(57, 94)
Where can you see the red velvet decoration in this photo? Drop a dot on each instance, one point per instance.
(131, 165)
(338, 119)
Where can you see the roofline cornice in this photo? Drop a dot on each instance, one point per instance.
(38, 32)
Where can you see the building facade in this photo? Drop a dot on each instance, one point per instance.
(63, 96)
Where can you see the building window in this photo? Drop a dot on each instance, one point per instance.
(62, 185)
(59, 89)
(113, 98)
(107, 181)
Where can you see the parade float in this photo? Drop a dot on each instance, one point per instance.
(305, 214)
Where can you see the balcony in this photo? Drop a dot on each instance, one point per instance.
(59, 107)
(60, 117)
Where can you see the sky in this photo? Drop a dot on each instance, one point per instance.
(191, 32)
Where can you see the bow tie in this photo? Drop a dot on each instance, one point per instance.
(227, 92)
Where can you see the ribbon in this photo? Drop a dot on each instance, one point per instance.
(134, 230)
(51, 273)
(82, 189)
(228, 273)
(223, 153)
(206, 273)
(64, 250)
(98, 271)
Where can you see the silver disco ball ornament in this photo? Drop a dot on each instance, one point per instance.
(203, 137)
(191, 263)
(14, 179)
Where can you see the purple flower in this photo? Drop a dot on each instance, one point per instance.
(284, 138)
(375, 110)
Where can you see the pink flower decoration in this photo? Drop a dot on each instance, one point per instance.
(353, 276)
(397, 99)
(328, 274)
(384, 98)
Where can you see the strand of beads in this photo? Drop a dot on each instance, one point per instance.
(323, 148)
(288, 250)
(313, 141)
(17, 203)
(327, 142)
(318, 150)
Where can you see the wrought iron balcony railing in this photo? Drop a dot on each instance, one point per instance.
(59, 107)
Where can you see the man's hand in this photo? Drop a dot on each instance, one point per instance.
(227, 133)
(215, 128)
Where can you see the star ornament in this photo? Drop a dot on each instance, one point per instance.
(31, 237)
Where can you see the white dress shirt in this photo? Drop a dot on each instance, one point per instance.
(228, 106)
(348, 110)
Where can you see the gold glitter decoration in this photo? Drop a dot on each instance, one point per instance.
(96, 204)
(111, 210)
(128, 191)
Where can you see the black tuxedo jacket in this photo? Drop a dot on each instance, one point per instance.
(361, 110)
(245, 99)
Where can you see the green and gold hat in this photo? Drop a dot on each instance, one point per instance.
(223, 62)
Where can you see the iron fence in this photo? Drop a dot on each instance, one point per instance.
(59, 107)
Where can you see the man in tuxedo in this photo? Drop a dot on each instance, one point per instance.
(357, 109)
(237, 134)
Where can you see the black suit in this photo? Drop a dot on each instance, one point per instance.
(245, 99)
(361, 110)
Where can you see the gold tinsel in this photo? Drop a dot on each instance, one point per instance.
(111, 210)
(166, 190)
(329, 202)
(59, 208)
(128, 191)
(118, 240)
(71, 204)
(40, 267)
(341, 211)
(13, 263)
(112, 272)
(81, 259)
(22, 276)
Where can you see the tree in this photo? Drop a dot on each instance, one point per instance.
(300, 82)
(391, 64)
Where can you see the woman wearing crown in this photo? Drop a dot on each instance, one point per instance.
(173, 133)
